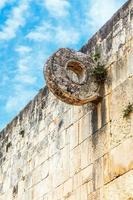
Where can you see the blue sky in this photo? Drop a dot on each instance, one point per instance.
(30, 31)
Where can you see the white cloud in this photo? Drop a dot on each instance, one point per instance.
(15, 21)
(24, 83)
(4, 2)
(99, 12)
(19, 98)
(23, 49)
(41, 33)
(63, 35)
(26, 79)
(66, 36)
(57, 8)
(25, 72)
(22, 65)
(38, 36)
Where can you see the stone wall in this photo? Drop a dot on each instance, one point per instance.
(56, 151)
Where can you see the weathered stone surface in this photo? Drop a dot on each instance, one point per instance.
(120, 189)
(57, 151)
(69, 76)
(118, 161)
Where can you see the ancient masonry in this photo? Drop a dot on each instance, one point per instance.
(74, 141)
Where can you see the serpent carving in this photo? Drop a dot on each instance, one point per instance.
(69, 77)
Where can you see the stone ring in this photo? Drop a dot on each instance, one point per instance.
(69, 77)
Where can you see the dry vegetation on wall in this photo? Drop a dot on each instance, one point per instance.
(128, 110)
(99, 72)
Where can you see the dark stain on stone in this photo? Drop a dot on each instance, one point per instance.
(94, 177)
(22, 132)
(103, 112)
(45, 91)
(1, 154)
(120, 46)
(23, 178)
(95, 140)
(15, 190)
(43, 104)
(40, 115)
(60, 124)
(19, 155)
(125, 17)
(8, 146)
(109, 43)
(2, 160)
(94, 119)
(6, 139)
(131, 14)
(116, 18)
(1, 186)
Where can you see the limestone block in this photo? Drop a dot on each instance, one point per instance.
(74, 195)
(41, 135)
(67, 119)
(66, 163)
(56, 169)
(75, 160)
(54, 143)
(9, 195)
(107, 168)
(119, 160)
(21, 189)
(130, 63)
(77, 180)
(68, 186)
(45, 197)
(98, 173)
(27, 195)
(120, 189)
(77, 112)
(50, 195)
(77, 194)
(117, 28)
(42, 156)
(59, 166)
(119, 72)
(86, 152)
(120, 98)
(95, 196)
(73, 132)
(42, 188)
(85, 127)
(90, 187)
(42, 146)
(28, 180)
(118, 40)
(44, 169)
(7, 182)
(87, 174)
(101, 142)
(84, 192)
(36, 175)
(2, 196)
(58, 193)
(62, 139)
(41, 125)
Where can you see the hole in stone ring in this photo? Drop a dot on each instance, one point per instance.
(76, 71)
